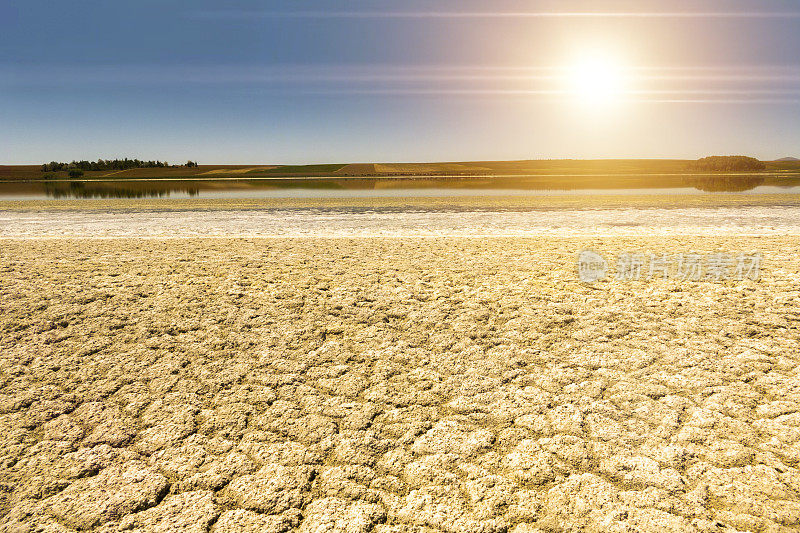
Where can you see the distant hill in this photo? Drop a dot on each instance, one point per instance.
(787, 159)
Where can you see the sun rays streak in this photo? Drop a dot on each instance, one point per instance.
(739, 84)
(233, 14)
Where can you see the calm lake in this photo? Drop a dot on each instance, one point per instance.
(456, 218)
(330, 188)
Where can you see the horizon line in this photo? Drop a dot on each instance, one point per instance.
(427, 162)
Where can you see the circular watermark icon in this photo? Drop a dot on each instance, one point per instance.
(591, 266)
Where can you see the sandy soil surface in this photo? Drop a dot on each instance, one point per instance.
(393, 385)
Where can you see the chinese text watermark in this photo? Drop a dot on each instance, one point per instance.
(689, 266)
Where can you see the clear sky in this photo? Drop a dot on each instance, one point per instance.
(376, 80)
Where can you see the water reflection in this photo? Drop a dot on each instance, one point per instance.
(724, 183)
(81, 189)
(421, 186)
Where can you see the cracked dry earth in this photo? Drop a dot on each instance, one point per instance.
(393, 385)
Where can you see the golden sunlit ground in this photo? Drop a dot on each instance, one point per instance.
(391, 385)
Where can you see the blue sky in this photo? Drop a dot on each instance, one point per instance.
(317, 81)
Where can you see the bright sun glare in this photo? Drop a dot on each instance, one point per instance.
(595, 81)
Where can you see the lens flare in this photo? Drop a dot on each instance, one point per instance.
(595, 81)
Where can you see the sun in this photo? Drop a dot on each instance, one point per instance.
(595, 80)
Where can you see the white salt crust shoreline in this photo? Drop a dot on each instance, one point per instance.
(337, 223)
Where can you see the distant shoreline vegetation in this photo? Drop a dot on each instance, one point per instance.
(727, 163)
(111, 164)
(553, 173)
(717, 163)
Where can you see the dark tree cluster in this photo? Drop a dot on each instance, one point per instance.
(727, 163)
(108, 164)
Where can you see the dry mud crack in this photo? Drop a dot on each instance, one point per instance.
(392, 385)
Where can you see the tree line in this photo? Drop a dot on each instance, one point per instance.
(110, 164)
(727, 163)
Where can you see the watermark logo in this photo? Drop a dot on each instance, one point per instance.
(689, 266)
(591, 266)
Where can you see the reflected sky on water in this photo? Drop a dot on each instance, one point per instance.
(355, 188)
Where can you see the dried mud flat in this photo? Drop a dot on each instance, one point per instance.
(393, 385)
